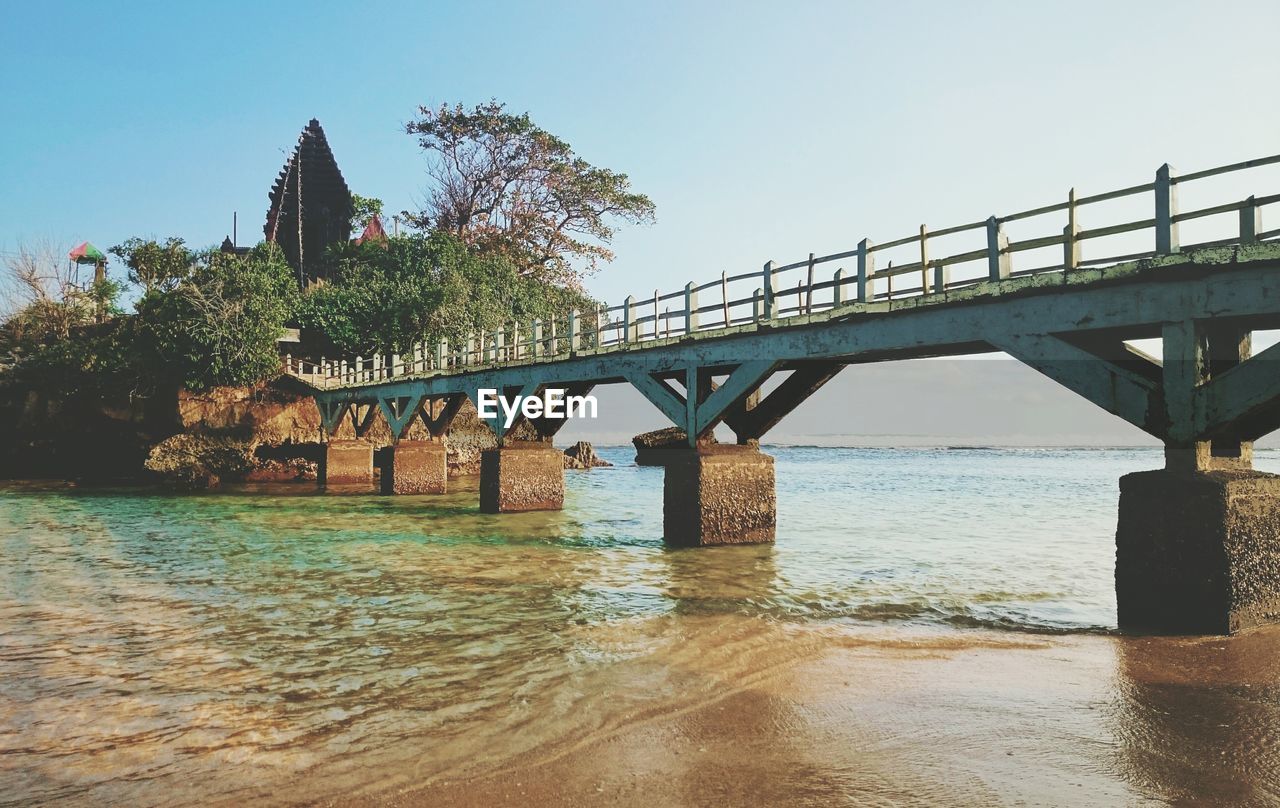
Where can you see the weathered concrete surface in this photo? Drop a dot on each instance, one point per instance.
(1198, 553)
(347, 462)
(521, 476)
(656, 448)
(416, 467)
(582, 455)
(719, 494)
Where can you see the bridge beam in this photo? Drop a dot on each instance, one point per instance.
(703, 404)
(1116, 387)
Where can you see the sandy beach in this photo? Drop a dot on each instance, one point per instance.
(897, 717)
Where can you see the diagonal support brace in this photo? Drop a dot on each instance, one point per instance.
(1133, 396)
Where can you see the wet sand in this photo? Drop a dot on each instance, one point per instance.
(903, 717)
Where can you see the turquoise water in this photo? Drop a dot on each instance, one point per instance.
(148, 641)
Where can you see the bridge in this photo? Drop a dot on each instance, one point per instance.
(1198, 541)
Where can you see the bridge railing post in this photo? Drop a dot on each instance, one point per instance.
(1250, 221)
(866, 271)
(999, 262)
(808, 297)
(941, 277)
(657, 313)
(690, 308)
(535, 331)
(757, 306)
(553, 337)
(575, 323)
(628, 318)
(1070, 240)
(442, 352)
(767, 290)
(724, 297)
(1166, 210)
(924, 260)
(837, 289)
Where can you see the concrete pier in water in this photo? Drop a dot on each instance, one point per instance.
(521, 476)
(1198, 552)
(416, 467)
(347, 462)
(718, 494)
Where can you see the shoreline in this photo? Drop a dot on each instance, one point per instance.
(912, 717)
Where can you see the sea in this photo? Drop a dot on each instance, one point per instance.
(257, 642)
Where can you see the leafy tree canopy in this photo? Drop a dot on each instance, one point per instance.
(365, 208)
(155, 265)
(421, 288)
(219, 325)
(504, 186)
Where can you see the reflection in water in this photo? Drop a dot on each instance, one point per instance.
(721, 580)
(1198, 719)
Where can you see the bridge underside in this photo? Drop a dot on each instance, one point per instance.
(1211, 561)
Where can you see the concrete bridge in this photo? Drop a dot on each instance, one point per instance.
(1198, 542)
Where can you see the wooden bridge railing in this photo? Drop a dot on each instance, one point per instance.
(778, 292)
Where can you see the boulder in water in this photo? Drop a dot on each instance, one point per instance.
(200, 461)
(655, 448)
(582, 455)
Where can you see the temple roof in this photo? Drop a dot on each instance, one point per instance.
(325, 209)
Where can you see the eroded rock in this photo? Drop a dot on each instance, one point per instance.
(582, 455)
(655, 448)
(200, 461)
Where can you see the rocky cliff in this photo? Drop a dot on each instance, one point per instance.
(267, 432)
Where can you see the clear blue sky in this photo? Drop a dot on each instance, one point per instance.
(761, 130)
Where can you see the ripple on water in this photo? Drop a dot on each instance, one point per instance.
(153, 639)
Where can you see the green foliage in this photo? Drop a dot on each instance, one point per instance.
(504, 186)
(365, 208)
(421, 288)
(212, 318)
(154, 265)
(220, 324)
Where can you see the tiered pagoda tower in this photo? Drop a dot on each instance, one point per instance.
(310, 205)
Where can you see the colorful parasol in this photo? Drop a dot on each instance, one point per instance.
(86, 253)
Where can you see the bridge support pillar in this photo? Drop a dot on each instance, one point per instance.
(719, 494)
(521, 476)
(1198, 552)
(416, 467)
(347, 462)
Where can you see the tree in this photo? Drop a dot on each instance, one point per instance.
(219, 324)
(504, 186)
(44, 300)
(421, 288)
(154, 265)
(365, 208)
